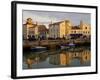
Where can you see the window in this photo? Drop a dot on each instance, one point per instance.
(83, 31)
(85, 27)
(74, 31)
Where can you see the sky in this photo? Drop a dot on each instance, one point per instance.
(46, 17)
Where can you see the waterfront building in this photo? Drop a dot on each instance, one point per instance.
(82, 30)
(66, 29)
(59, 29)
(28, 28)
(33, 30)
(41, 31)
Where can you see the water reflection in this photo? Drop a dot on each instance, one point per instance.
(67, 58)
(31, 58)
(60, 58)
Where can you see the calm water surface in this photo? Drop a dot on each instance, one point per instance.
(71, 57)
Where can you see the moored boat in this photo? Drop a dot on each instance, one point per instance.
(38, 49)
(71, 44)
(64, 47)
(67, 46)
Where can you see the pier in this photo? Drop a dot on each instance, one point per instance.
(52, 44)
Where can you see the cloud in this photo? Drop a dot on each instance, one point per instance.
(45, 17)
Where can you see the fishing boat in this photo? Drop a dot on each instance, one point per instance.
(38, 49)
(71, 44)
(64, 47)
(67, 46)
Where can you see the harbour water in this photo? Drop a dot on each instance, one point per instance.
(71, 57)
